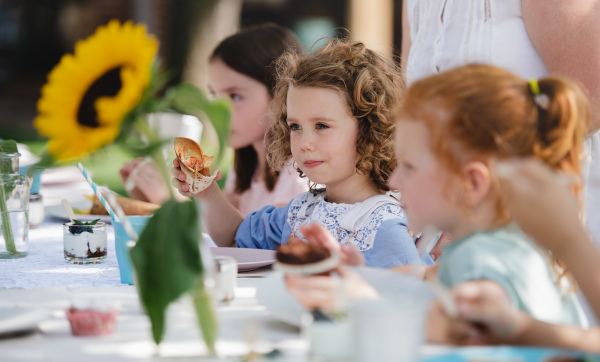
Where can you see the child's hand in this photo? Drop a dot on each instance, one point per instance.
(179, 183)
(486, 306)
(321, 292)
(540, 201)
(143, 181)
(485, 316)
(316, 233)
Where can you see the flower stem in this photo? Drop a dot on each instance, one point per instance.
(9, 239)
(206, 316)
(152, 136)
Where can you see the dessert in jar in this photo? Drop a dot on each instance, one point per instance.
(85, 244)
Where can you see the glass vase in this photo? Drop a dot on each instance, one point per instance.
(14, 204)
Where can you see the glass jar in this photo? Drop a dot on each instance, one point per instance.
(14, 206)
(85, 244)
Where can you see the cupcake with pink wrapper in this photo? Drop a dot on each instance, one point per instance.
(92, 318)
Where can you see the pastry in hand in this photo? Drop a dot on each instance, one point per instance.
(199, 169)
(305, 259)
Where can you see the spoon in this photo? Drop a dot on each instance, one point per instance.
(68, 209)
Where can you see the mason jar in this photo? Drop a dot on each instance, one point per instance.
(14, 206)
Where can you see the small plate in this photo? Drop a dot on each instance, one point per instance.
(20, 320)
(247, 259)
(59, 212)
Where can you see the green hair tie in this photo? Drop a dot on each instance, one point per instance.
(535, 87)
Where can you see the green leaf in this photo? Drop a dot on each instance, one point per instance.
(86, 223)
(8, 146)
(167, 260)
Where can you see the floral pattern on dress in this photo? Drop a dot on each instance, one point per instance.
(329, 215)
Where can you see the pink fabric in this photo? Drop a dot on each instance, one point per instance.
(288, 185)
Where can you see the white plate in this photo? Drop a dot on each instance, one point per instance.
(59, 212)
(247, 259)
(17, 320)
(272, 292)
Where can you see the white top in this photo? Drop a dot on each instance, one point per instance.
(449, 33)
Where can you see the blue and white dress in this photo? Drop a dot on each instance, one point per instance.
(377, 226)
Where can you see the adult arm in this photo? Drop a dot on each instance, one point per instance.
(565, 34)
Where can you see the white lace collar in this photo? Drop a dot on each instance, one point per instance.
(354, 223)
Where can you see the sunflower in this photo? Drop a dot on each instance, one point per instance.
(89, 93)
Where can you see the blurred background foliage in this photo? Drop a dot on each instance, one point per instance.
(34, 34)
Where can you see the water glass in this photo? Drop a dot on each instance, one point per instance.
(85, 244)
(388, 330)
(225, 277)
(36, 210)
(14, 204)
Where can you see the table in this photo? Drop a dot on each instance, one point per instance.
(45, 280)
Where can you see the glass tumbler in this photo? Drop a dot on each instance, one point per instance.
(85, 244)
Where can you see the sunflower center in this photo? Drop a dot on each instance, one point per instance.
(107, 85)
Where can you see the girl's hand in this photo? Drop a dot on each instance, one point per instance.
(179, 183)
(316, 233)
(143, 181)
(485, 316)
(540, 201)
(322, 292)
(485, 305)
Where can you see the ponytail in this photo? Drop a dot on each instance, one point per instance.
(563, 116)
(563, 119)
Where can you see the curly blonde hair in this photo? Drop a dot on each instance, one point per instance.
(371, 86)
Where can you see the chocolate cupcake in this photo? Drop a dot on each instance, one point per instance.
(305, 259)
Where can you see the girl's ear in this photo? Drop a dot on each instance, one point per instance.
(479, 182)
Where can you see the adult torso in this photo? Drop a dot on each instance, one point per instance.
(449, 33)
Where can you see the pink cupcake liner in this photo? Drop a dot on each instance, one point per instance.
(89, 322)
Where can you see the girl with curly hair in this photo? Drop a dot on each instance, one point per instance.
(331, 118)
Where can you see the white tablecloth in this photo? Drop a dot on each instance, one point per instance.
(44, 280)
(46, 267)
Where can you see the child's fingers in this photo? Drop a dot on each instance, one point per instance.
(317, 233)
(296, 240)
(182, 187)
(352, 255)
(463, 333)
(307, 283)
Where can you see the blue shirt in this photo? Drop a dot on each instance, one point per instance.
(382, 234)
